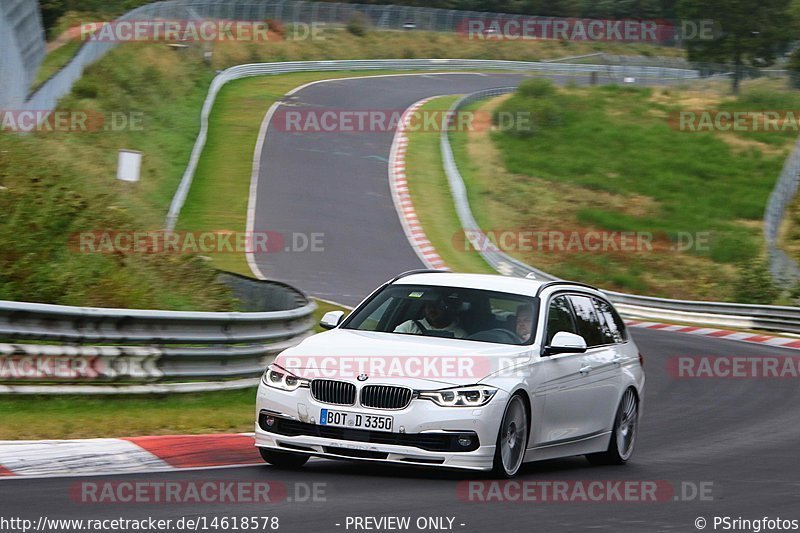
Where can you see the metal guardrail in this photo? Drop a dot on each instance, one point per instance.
(263, 69)
(60, 84)
(744, 316)
(129, 350)
(21, 49)
(784, 269)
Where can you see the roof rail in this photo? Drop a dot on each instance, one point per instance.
(415, 271)
(564, 282)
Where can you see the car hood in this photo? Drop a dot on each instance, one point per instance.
(394, 358)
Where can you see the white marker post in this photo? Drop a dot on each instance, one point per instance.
(129, 166)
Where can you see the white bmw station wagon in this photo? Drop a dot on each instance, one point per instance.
(465, 371)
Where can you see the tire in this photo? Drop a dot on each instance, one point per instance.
(623, 435)
(285, 460)
(512, 439)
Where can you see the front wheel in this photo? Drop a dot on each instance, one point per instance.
(512, 439)
(623, 436)
(283, 459)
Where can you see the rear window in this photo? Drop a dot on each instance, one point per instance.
(613, 326)
(588, 321)
(559, 318)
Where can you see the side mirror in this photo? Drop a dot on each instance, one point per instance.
(565, 342)
(331, 319)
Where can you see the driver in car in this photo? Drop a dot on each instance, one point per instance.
(439, 316)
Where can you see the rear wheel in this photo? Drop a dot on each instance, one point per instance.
(512, 439)
(623, 436)
(283, 459)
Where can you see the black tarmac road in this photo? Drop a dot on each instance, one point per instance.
(336, 184)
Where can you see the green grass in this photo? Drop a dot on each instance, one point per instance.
(606, 159)
(73, 417)
(688, 174)
(470, 171)
(54, 186)
(432, 198)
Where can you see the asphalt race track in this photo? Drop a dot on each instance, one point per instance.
(722, 447)
(736, 438)
(338, 184)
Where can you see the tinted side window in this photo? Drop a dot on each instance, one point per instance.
(589, 325)
(613, 326)
(559, 318)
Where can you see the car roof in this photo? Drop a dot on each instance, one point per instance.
(489, 282)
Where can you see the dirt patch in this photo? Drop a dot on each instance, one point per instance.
(689, 99)
(741, 144)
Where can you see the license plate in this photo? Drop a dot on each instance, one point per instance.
(329, 417)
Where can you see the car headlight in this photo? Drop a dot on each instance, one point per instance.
(278, 378)
(472, 396)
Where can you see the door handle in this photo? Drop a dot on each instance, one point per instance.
(585, 369)
(617, 360)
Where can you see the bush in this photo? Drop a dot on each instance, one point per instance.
(754, 284)
(358, 24)
(536, 88)
(534, 107)
(85, 88)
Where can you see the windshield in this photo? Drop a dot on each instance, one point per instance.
(450, 312)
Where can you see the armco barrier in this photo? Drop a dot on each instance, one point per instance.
(744, 316)
(784, 269)
(60, 84)
(131, 351)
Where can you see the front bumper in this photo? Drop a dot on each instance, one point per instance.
(425, 433)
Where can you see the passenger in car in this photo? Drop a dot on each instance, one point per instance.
(525, 322)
